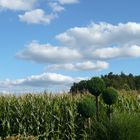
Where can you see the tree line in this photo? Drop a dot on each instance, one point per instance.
(117, 81)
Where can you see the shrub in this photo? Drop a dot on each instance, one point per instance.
(86, 107)
(110, 96)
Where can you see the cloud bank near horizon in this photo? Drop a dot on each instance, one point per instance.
(43, 81)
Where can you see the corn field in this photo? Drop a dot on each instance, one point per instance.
(55, 117)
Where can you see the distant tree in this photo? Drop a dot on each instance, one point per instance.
(118, 81)
(137, 82)
(74, 88)
(79, 87)
(82, 86)
(131, 81)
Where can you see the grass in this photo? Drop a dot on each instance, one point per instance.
(55, 117)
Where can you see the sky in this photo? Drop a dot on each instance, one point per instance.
(49, 44)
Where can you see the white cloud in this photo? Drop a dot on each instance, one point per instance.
(85, 45)
(104, 40)
(101, 35)
(37, 16)
(106, 53)
(56, 7)
(48, 54)
(84, 66)
(88, 65)
(34, 14)
(58, 57)
(17, 4)
(132, 51)
(61, 66)
(68, 1)
(44, 81)
(124, 52)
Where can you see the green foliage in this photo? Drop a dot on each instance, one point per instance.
(19, 137)
(79, 87)
(118, 81)
(86, 107)
(95, 86)
(110, 96)
(43, 115)
(126, 87)
(55, 117)
(128, 126)
(124, 126)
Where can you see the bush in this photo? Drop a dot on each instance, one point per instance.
(86, 107)
(110, 96)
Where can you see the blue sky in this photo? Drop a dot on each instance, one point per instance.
(49, 44)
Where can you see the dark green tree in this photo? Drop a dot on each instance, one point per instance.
(137, 82)
(79, 87)
(96, 86)
(118, 81)
(110, 96)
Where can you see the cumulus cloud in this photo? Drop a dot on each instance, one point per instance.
(59, 57)
(37, 16)
(87, 48)
(83, 66)
(17, 4)
(114, 52)
(34, 14)
(104, 37)
(68, 1)
(101, 35)
(46, 53)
